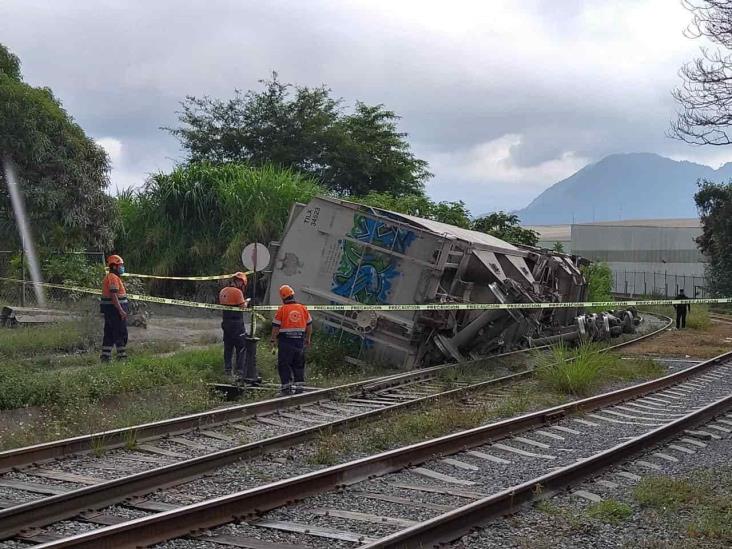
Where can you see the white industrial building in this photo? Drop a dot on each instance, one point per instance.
(647, 257)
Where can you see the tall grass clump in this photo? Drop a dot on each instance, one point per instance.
(579, 371)
(572, 371)
(196, 219)
(599, 281)
(698, 317)
(63, 337)
(21, 386)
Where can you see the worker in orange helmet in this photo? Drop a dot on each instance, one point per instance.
(292, 327)
(235, 332)
(114, 307)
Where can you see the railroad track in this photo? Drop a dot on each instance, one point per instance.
(435, 491)
(36, 495)
(727, 319)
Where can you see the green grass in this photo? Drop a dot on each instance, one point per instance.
(81, 416)
(698, 318)
(701, 503)
(610, 511)
(580, 371)
(22, 386)
(64, 337)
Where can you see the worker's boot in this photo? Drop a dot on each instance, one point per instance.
(299, 387)
(285, 390)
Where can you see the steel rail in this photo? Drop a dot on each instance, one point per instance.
(118, 438)
(47, 510)
(251, 503)
(458, 522)
(727, 319)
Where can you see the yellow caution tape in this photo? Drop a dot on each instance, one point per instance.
(161, 277)
(138, 297)
(405, 307)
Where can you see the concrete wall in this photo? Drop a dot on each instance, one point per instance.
(645, 259)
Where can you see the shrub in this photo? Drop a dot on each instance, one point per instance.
(599, 281)
(580, 371)
(197, 219)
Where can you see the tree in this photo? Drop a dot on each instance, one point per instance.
(307, 130)
(196, 219)
(599, 279)
(558, 247)
(705, 95)
(62, 172)
(506, 227)
(454, 213)
(714, 202)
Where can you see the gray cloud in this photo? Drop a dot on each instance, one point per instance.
(503, 98)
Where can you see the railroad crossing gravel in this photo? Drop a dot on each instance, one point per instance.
(644, 528)
(580, 440)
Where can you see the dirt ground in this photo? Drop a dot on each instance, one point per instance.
(686, 343)
(186, 331)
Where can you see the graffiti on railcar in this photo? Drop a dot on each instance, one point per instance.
(363, 274)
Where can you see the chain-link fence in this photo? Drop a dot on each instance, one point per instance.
(639, 283)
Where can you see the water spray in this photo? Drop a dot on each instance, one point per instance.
(25, 235)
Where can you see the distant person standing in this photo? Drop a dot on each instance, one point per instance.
(235, 332)
(114, 307)
(292, 327)
(681, 310)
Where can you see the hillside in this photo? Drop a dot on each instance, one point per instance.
(623, 186)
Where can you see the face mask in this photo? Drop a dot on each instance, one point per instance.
(121, 269)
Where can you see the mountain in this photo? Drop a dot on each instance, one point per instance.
(623, 186)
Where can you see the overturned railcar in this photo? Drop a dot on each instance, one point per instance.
(334, 251)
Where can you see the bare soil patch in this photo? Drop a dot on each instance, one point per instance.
(686, 343)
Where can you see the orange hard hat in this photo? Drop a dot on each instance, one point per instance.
(241, 276)
(286, 291)
(115, 260)
(231, 296)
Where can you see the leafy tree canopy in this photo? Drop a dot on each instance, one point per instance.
(307, 130)
(454, 213)
(714, 202)
(506, 227)
(197, 219)
(61, 171)
(500, 224)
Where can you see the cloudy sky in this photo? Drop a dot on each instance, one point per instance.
(502, 97)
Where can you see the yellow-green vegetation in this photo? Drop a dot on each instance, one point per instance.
(572, 519)
(64, 337)
(610, 511)
(82, 415)
(24, 385)
(696, 319)
(700, 503)
(580, 371)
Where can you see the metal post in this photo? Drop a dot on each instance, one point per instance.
(22, 270)
(252, 339)
(665, 283)
(645, 286)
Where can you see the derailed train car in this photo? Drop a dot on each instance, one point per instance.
(334, 251)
